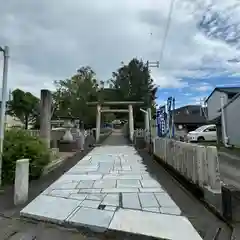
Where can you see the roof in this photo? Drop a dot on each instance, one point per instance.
(232, 100)
(188, 107)
(227, 90)
(216, 120)
(186, 115)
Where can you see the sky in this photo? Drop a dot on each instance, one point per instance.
(50, 40)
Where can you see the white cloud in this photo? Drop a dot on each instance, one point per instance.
(197, 100)
(49, 40)
(202, 87)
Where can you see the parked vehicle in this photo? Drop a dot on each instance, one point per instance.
(203, 133)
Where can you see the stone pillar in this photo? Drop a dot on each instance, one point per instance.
(45, 116)
(98, 122)
(147, 127)
(131, 123)
(147, 122)
(213, 168)
(201, 169)
(149, 115)
(21, 181)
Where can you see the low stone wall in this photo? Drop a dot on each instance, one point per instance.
(197, 167)
(198, 164)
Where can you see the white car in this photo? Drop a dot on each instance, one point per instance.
(203, 133)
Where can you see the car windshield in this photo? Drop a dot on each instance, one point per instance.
(200, 129)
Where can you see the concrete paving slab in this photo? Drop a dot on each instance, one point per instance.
(110, 208)
(105, 183)
(96, 196)
(165, 200)
(85, 184)
(150, 183)
(90, 203)
(123, 176)
(90, 190)
(128, 183)
(126, 168)
(104, 191)
(111, 199)
(64, 193)
(131, 200)
(152, 190)
(48, 208)
(154, 224)
(67, 185)
(152, 209)
(171, 210)
(118, 190)
(78, 196)
(95, 219)
(148, 200)
(79, 177)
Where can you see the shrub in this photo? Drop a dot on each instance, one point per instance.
(18, 145)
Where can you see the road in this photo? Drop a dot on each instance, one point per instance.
(229, 169)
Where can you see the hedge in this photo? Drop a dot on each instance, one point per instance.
(18, 144)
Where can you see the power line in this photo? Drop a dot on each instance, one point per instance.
(166, 30)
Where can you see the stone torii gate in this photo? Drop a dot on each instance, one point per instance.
(129, 110)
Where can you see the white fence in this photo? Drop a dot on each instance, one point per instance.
(33, 133)
(142, 133)
(198, 164)
(36, 133)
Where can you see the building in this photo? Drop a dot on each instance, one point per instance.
(188, 118)
(231, 105)
(13, 122)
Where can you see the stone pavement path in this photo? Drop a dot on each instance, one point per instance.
(111, 189)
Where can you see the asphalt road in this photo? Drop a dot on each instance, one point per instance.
(229, 169)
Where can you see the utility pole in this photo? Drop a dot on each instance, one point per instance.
(150, 65)
(5, 51)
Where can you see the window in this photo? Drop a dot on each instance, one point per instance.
(210, 129)
(196, 111)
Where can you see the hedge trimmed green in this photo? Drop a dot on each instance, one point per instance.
(18, 145)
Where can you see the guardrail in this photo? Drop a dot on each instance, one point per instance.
(198, 164)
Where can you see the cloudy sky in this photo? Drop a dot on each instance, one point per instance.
(50, 39)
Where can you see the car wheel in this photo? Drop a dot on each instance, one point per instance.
(200, 139)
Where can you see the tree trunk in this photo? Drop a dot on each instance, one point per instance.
(26, 122)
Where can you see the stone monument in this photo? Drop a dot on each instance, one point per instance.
(45, 116)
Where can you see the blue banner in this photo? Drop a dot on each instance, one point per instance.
(161, 122)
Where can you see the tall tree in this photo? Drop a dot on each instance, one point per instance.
(24, 106)
(134, 83)
(72, 95)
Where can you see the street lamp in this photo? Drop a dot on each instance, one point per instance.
(5, 51)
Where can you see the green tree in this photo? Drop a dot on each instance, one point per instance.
(133, 82)
(72, 95)
(24, 106)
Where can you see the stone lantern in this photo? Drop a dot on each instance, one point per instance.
(68, 135)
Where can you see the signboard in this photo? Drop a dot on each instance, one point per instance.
(161, 121)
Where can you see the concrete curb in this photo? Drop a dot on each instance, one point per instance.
(49, 168)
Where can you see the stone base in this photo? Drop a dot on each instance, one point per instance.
(140, 142)
(54, 152)
(231, 203)
(213, 198)
(67, 146)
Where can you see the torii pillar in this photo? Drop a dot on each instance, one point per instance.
(131, 122)
(98, 122)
